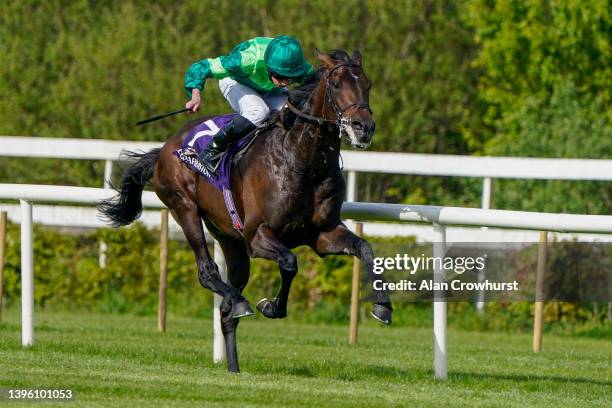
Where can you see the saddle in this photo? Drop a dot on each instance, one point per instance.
(198, 138)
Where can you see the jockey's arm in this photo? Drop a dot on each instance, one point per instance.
(194, 104)
(218, 68)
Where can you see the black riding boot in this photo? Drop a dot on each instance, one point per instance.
(233, 131)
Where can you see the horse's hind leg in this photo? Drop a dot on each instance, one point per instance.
(208, 273)
(266, 245)
(341, 240)
(238, 269)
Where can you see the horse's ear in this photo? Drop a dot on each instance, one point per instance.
(356, 57)
(325, 59)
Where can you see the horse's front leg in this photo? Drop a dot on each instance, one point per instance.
(266, 245)
(341, 240)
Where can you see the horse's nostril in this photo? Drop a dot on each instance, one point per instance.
(358, 126)
(365, 138)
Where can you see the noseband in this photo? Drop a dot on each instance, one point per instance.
(342, 121)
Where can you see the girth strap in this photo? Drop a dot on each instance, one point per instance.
(231, 209)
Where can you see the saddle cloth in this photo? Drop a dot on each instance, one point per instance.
(196, 140)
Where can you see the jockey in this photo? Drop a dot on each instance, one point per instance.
(253, 78)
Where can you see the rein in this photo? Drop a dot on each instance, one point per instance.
(341, 120)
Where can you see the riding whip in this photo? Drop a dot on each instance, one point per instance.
(154, 118)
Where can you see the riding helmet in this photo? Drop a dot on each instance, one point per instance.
(284, 57)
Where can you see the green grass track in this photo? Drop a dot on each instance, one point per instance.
(121, 360)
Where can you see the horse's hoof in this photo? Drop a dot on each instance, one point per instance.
(381, 313)
(270, 309)
(233, 370)
(242, 309)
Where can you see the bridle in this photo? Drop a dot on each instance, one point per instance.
(342, 121)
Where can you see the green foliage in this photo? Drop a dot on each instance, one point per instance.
(564, 124)
(67, 273)
(91, 70)
(67, 276)
(500, 77)
(525, 78)
(546, 79)
(530, 47)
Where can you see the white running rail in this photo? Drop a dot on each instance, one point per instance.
(485, 167)
(439, 217)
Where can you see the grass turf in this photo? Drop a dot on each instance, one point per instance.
(121, 360)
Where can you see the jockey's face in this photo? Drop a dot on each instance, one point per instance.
(280, 81)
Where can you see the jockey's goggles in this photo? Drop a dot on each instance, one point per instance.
(280, 77)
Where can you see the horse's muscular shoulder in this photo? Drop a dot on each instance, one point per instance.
(328, 202)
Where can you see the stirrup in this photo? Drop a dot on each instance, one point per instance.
(212, 164)
(210, 158)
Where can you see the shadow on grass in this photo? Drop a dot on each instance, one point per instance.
(356, 372)
(342, 372)
(526, 378)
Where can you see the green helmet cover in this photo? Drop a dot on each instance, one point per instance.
(284, 57)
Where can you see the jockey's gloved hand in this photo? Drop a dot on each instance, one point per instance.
(194, 104)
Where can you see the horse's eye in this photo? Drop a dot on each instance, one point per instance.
(335, 84)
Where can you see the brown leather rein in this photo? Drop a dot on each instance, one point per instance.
(341, 120)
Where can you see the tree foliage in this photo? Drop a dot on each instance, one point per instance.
(500, 77)
(547, 81)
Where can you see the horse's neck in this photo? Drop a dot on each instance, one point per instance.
(313, 148)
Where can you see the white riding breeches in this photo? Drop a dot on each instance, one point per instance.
(251, 104)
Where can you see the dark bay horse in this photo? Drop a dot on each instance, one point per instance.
(288, 189)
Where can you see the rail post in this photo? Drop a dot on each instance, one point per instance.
(486, 204)
(355, 292)
(439, 304)
(218, 339)
(2, 245)
(27, 275)
(539, 301)
(106, 183)
(351, 194)
(163, 272)
(351, 187)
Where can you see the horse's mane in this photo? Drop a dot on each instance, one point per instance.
(301, 94)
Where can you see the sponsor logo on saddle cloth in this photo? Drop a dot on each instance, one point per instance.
(195, 141)
(193, 163)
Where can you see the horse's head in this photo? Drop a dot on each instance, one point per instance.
(347, 95)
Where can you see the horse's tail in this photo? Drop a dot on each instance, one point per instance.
(126, 206)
